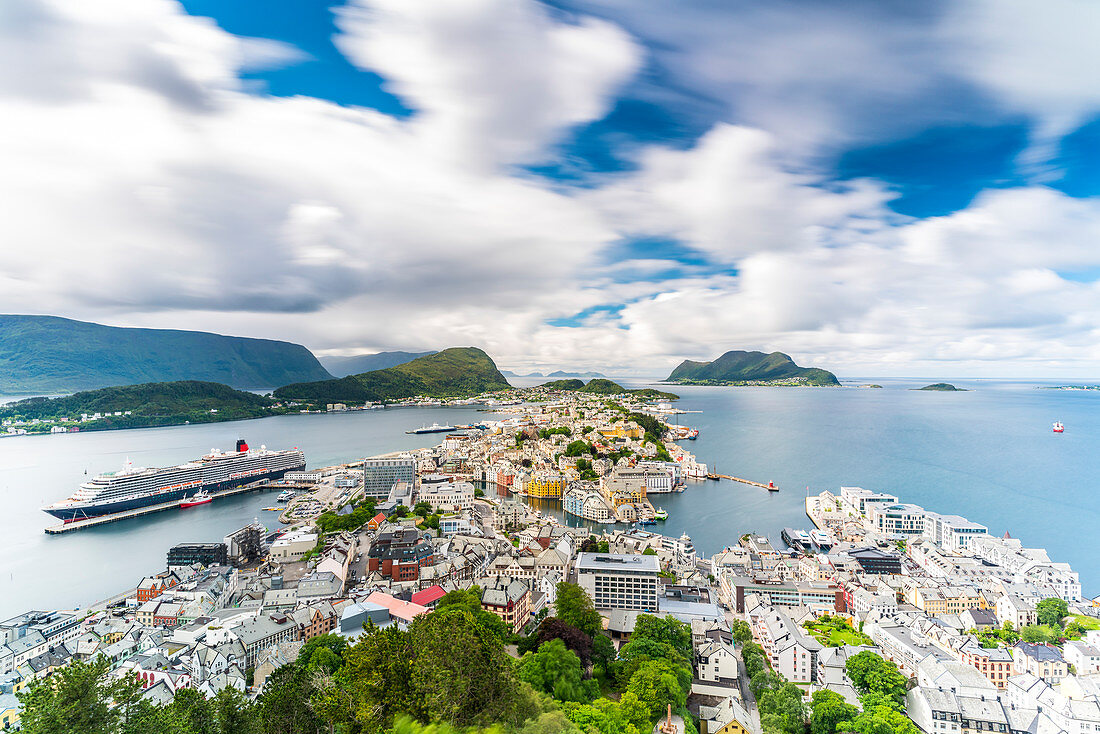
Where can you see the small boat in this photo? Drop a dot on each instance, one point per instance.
(286, 496)
(1058, 427)
(199, 498)
(693, 434)
(647, 521)
(660, 514)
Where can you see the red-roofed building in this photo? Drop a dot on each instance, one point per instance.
(375, 521)
(429, 597)
(402, 611)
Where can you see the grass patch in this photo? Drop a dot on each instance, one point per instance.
(834, 632)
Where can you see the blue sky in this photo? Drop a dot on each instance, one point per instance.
(875, 187)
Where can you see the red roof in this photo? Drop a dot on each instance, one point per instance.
(428, 596)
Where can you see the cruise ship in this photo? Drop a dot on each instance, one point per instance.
(135, 487)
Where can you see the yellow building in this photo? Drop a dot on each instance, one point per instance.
(623, 430)
(546, 486)
(728, 717)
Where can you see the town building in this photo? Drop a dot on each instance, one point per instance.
(619, 581)
(379, 475)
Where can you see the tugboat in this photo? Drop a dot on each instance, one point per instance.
(199, 498)
(1058, 427)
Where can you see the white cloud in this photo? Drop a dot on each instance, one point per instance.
(495, 81)
(142, 185)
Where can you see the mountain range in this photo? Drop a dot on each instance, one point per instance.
(360, 363)
(739, 367)
(558, 374)
(454, 372)
(49, 354)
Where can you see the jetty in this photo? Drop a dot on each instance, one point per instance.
(92, 522)
(770, 486)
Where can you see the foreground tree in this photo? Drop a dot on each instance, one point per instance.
(80, 697)
(555, 669)
(869, 673)
(829, 710)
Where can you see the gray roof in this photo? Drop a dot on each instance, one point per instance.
(618, 562)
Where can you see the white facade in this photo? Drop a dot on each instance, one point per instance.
(448, 495)
(618, 581)
(951, 532)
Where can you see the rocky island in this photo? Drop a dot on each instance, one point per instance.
(751, 368)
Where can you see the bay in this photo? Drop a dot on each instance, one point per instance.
(988, 454)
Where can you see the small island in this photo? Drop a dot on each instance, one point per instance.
(941, 387)
(743, 369)
(877, 387)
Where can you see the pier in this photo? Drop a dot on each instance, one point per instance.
(92, 522)
(770, 486)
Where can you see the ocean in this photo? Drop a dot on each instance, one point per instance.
(988, 454)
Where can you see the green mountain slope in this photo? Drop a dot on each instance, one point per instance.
(603, 386)
(737, 366)
(344, 366)
(49, 354)
(941, 387)
(149, 404)
(455, 372)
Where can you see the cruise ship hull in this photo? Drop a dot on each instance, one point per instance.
(73, 512)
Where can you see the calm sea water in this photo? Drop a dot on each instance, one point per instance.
(988, 454)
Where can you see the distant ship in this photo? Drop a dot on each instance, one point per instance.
(1058, 427)
(199, 498)
(433, 428)
(136, 487)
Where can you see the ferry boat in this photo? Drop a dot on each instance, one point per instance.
(434, 428)
(821, 539)
(286, 496)
(660, 514)
(797, 539)
(199, 498)
(136, 487)
(1058, 427)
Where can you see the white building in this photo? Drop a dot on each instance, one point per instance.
(898, 520)
(447, 495)
(1084, 658)
(617, 581)
(291, 546)
(951, 532)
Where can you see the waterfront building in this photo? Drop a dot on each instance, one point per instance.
(952, 533)
(545, 485)
(188, 554)
(618, 581)
(587, 504)
(861, 500)
(899, 520)
(1028, 565)
(379, 475)
(302, 477)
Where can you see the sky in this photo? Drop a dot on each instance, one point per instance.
(875, 187)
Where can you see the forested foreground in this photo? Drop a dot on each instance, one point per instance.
(449, 671)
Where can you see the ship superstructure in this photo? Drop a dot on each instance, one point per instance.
(135, 487)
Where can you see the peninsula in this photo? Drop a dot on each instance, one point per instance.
(454, 372)
(751, 368)
(52, 355)
(602, 386)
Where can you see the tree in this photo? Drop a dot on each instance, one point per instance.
(1052, 611)
(422, 508)
(641, 650)
(555, 669)
(553, 628)
(656, 685)
(869, 673)
(78, 697)
(668, 630)
(879, 717)
(1037, 633)
(781, 709)
(829, 710)
(459, 669)
(575, 609)
(470, 600)
(741, 631)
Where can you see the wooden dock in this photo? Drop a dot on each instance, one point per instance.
(770, 486)
(93, 522)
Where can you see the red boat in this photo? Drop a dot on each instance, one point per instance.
(1058, 427)
(200, 498)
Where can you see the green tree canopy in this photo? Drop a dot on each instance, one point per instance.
(575, 609)
(869, 673)
(555, 669)
(830, 709)
(1052, 611)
